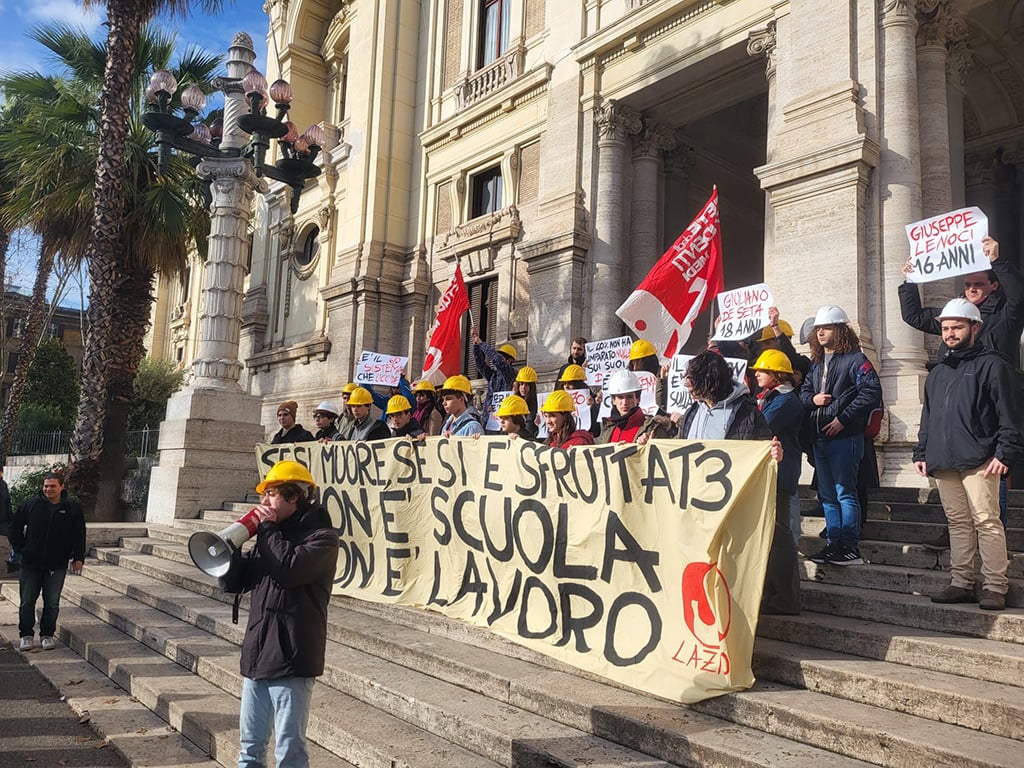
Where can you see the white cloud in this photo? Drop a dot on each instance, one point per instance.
(67, 11)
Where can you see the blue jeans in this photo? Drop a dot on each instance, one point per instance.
(31, 582)
(837, 462)
(283, 703)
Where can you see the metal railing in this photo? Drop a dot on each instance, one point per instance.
(138, 442)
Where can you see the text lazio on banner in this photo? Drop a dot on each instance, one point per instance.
(641, 563)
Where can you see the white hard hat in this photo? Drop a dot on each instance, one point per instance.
(831, 315)
(327, 407)
(960, 309)
(623, 382)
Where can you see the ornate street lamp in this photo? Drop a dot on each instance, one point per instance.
(188, 134)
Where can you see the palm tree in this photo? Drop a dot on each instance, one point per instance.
(56, 148)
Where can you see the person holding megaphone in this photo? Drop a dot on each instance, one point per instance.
(288, 574)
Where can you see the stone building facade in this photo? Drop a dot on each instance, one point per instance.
(555, 149)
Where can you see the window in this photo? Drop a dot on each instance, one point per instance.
(494, 25)
(310, 248)
(12, 361)
(483, 313)
(486, 188)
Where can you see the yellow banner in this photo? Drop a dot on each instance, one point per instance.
(643, 564)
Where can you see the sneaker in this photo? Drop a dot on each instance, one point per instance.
(953, 594)
(824, 554)
(991, 601)
(845, 556)
(939, 544)
(26, 643)
(47, 643)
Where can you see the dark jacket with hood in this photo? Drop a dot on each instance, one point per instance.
(782, 409)
(1002, 312)
(289, 573)
(855, 388)
(46, 535)
(970, 412)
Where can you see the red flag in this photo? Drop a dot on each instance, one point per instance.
(444, 352)
(681, 285)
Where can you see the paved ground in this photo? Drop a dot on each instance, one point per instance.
(37, 727)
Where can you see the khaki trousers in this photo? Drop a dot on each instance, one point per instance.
(971, 503)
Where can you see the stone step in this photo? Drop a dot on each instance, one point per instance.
(927, 513)
(902, 531)
(916, 611)
(443, 706)
(988, 707)
(972, 657)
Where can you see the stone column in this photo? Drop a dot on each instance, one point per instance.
(902, 353)
(762, 42)
(933, 108)
(646, 205)
(615, 124)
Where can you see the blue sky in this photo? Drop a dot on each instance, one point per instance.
(18, 52)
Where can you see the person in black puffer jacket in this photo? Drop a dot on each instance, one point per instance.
(288, 574)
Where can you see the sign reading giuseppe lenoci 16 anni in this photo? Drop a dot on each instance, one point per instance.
(947, 245)
(641, 563)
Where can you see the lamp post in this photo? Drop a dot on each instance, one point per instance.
(207, 438)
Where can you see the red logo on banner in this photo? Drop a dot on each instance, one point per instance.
(707, 612)
(444, 351)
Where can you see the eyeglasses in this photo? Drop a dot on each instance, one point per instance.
(272, 492)
(322, 415)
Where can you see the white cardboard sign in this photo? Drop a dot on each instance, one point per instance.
(947, 245)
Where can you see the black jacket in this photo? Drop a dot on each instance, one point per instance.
(297, 434)
(748, 423)
(970, 412)
(1002, 312)
(289, 573)
(48, 536)
(855, 388)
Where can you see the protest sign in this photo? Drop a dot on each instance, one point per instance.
(605, 357)
(679, 398)
(375, 368)
(947, 245)
(644, 564)
(492, 424)
(743, 312)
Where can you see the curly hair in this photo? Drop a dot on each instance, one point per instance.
(845, 340)
(710, 377)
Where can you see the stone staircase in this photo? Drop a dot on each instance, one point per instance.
(872, 673)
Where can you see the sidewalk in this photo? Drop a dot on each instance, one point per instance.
(58, 711)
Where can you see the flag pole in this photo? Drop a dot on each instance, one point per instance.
(714, 303)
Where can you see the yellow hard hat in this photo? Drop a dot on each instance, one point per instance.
(457, 383)
(285, 472)
(526, 375)
(768, 334)
(513, 405)
(573, 373)
(349, 388)
(360, 396)
(398, 404)
(423, 386)
(641, 348)
(559, 401)
(773, 360)
(508, 349)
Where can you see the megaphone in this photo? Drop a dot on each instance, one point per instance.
(211, 552)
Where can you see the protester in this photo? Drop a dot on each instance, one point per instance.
(628, 423)
(463, 420)
(495, 365)
(778, 334)
(345, 419)
(577, 354)
(999, 296)
(778, 401)
(381, 401)
(48, 532)
(6, 516)
(401, 419)
(325, 416)
(969, 436)
(574, 378)
(512, 417)
(428, 412)
(723, 409)
(839, 394)
(364, 427)
(288, 573)
(525, 386)
(290, 432)
(559, 412)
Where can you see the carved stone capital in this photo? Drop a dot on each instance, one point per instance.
(761, 42)
(617, 122)
(653, 140)
(680, 161)
(933, 22)
(981, 170)
(899, 12)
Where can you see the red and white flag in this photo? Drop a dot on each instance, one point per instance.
(444, 352)
(680, 286)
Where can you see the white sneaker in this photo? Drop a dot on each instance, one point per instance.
(47, 643)
(26, 643)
